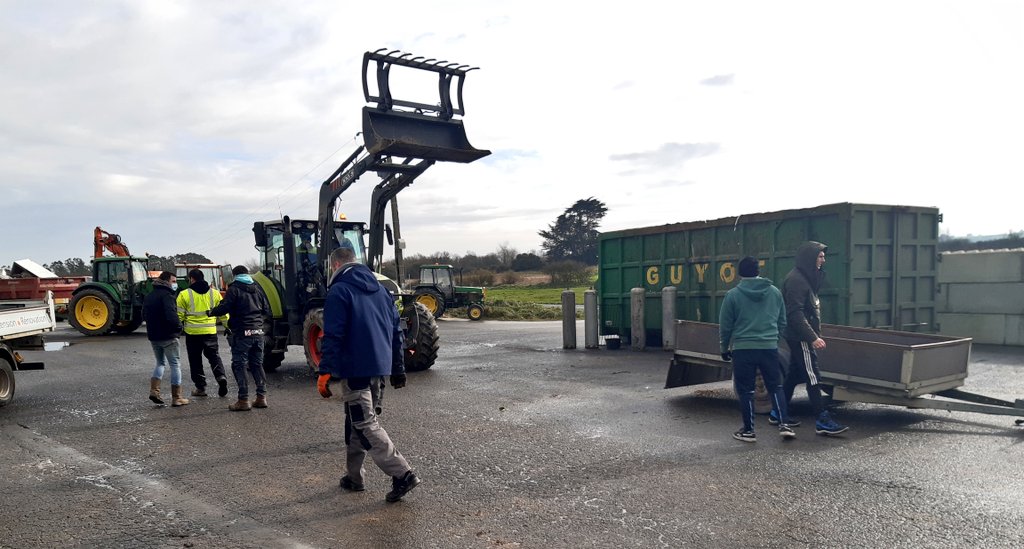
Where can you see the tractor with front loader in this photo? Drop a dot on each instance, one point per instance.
(401, 140)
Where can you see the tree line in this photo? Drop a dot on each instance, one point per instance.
(570, 243)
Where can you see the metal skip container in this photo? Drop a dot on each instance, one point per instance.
(881, 266)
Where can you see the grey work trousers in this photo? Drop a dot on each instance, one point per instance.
(363, 434)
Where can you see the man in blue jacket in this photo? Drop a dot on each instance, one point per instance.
(751, 321)
(362, 343)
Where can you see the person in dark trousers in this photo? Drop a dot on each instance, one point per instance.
(246, 307)
(803, 332)
(163, 329)
(201, 332)
(751, 321)
(362, 344)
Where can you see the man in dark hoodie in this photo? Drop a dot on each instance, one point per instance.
(201, 332)
(362, 344)
(750, 323)
(803, 332)
(163, 329)
(246, 306)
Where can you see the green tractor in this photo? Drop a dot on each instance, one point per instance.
(401, 140)
(437, 292)
(112, 300)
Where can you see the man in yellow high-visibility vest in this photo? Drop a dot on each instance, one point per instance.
(201, 332)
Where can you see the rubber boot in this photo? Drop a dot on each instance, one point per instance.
(241, 406)
(260, 402)
(154, 390)
(176, 398)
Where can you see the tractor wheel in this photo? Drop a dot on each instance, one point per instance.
(421, 340)
(92, 312)
(432, 301)
(475, 312)
(130, 326)
(6, 381)
(312, 337)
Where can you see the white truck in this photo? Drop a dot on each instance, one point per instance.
(22, 325)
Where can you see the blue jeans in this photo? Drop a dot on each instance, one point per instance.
(745, 364)
(247, 354)
(170, 353)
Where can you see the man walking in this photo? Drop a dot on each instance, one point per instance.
(163, 329)
(803, 332)
(201, 332)
(245, 306)
(750, 324)
(363, 343)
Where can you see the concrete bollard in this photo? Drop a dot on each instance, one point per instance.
(668, 317)
(568, 319)
(590, 339)
(636, 316)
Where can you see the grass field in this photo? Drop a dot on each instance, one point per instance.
(533, 294)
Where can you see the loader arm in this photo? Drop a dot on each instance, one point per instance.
(398, 145)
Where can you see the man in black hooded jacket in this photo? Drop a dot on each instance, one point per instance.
(803, 332)
(247, 306)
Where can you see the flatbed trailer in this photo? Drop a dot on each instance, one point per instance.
(859, 365)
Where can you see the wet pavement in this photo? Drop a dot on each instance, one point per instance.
(519, 444)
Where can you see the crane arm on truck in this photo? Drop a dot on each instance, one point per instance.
(102, 240)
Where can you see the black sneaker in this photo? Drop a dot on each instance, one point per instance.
(402, 486)
(745, 436)
(351, 485)
(785, 431)
(222, 390)
(774, 420)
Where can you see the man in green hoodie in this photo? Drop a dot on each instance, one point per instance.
(751, 320)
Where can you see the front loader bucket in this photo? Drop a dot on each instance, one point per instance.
(407, 134)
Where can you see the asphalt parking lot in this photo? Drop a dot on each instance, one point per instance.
(519, 444)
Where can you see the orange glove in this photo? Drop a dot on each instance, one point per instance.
(323, 385)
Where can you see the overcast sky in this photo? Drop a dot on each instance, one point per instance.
(176, 124)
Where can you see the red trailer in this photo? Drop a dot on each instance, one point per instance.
(25, 284)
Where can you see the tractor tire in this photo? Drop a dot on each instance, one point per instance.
(92, 312)
(6, 381)
(271, 360)
(130, 326)
(312, 337)
(475, 312)
(432, 301)
(421, 339)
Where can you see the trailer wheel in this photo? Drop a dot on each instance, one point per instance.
(312, 337)
(475, 312)
(92, 312)
(6, 381)
(432, 301)
(271, 360)
(421, 340)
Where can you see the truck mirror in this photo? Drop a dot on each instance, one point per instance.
(260, 231)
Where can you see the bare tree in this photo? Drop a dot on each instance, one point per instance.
(506, 254)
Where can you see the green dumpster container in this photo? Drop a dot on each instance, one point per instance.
(881, 264)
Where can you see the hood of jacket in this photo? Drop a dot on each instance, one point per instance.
(358, 276)
(754, 289)
(807, 263)
(244, 283)
(200, 287)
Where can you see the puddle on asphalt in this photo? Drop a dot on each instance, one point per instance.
(55, 345)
